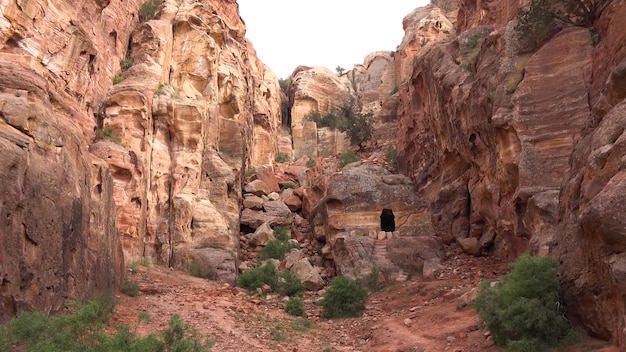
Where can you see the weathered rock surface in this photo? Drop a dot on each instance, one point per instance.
(355, 199)
(317, 89)
(151, 165)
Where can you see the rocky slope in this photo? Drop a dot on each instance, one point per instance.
(124, 139)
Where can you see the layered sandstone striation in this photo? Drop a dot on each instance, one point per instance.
(107, 163)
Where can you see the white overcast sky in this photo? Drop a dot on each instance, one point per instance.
(330, 33)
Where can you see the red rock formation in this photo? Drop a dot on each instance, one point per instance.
(154, 155)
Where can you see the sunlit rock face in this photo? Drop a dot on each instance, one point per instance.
(317, 89)
(58, 233)
(195, 107)
(100, 170)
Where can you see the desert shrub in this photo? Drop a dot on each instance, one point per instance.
(395, 90)
(348, 157)
(125, 64)
(288, 185)
(274, 249)
(283, 283)
(281, 233)
(117, 79)
(259, 276)
(360, 128)
(344, 298)
(282, 158)
(278, 334)
(84, 330)
(250, 172)
(288, 284)
(149, 10)
(524, 312)
(311, 162)
(108, 134)
(329, 120)
(295, 307)
(130, 288)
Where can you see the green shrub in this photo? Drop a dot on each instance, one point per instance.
(524, 312)
(130, 288)
(108, 134)
(311, 163)
(84, 330)
(347, 158)
(289, 285)
(283, 283)
(281, 233)
(125, 64)
(344, 298)
(295, 307)
(274, 249)
(259, 276)
(149, 10)
(278, 334)
(282, 158)
(251, 172)
(395, 90)
(360, 128)
(288, 185)
(117, 79)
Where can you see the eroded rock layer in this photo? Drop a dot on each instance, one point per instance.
(122, 140)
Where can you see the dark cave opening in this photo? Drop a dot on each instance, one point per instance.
(387, 220)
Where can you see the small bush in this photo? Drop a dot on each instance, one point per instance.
(289, 285)
(282, 158)
(395, 90)
(117, 79)
(274, 249)
(251, 172)
(149, 10)
(130, 288)
(295, 307)
(107, 134)
(524, 312)
(311, 163)
(278, 334)
(347, 158)
(344, 298)
(281, 233)
(360, 128)
(288, 185)
(125, 64)
(259, 276)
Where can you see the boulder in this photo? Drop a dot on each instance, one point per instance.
(308, 274)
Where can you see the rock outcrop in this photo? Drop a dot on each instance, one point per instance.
(124, 139)
(317, 90)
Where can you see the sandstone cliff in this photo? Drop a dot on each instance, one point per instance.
(123, 139)
(516, 147)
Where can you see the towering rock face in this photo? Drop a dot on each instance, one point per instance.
(195, 107)
(95, 174)
(58, 232)
(518, 151)
(317, 89)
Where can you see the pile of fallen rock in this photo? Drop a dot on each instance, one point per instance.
(268, 203)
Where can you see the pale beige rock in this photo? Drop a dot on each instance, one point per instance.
(257, 187)
(316, 89)
(277, 208)
(308, 274)
(293, 202)
(262, 235)
(252, 201)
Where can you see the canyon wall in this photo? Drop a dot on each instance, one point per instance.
(516, 145)
(124, 139)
